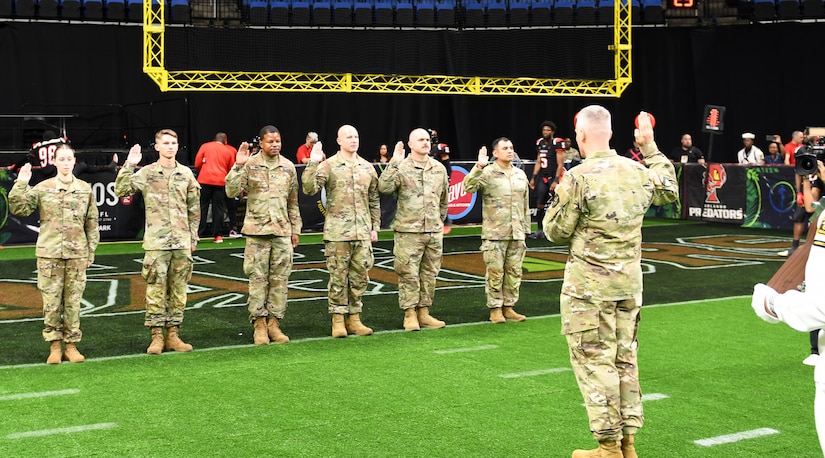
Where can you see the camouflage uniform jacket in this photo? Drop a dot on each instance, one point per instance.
(422, 194)
(272, 195)
(68, 217)
(506, 201)
(172, 204)
(599, 207)
(352, 208)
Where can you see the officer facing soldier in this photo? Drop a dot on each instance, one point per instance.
(422, 186)
(272, 226)
(171, 196)
(65, 248)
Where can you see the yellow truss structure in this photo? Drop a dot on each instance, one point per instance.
(204, 80)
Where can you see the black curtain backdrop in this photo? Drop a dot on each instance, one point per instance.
(767, 76)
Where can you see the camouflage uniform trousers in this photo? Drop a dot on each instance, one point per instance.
(166, 273)
(417, 262)
(503, 279)
(601, 337)
(348, 263)
(61, 283)
(267, 262)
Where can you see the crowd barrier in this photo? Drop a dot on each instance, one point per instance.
(750, 196)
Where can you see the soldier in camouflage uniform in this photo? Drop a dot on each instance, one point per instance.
(65, 247)
(272, 226)
(505, 224)
(171, 196)
(353, 217)
(422, 186)
(598, 208)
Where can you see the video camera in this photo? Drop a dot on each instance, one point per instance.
(813, 150)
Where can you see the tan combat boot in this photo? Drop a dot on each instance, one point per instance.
(260, 337)
(273, 327)
(55, 352)
(173, 342)
(338, 327)
(156, 347)
(72, 355)
(511, 314)
(607, 449)
(411, 320)
(355, 326)
(496, 316)
(628, 449)
(427, 320)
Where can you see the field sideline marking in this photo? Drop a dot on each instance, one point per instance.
(41, 394)
(535, 373)
(465, 349)
(735, 437)
(66, 430)
(654, 397)
(313, 339)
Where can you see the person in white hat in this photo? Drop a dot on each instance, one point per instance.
(750, 154)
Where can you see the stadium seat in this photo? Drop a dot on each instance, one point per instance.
(362, 12)
(474, 13)
(300, 12)
(404, 13)
(540, 12)
(425, 13)
(383, 12)
(788, 9)
(25, 8)
(519, 12)
(258, 12)
(116, 10)
(586, 12)
(180, 11)
(279, 12)
(48, 8)
(93, 9)
(813, 8)
(563, 12)
(445, 13)
(496, 13)
(653, 12)
(134, 10)
(70, 9)
(342, 12)
(321, 12)
(764, 10)
(605, 15)
(636, 11)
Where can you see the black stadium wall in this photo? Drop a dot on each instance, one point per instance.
(768, 76)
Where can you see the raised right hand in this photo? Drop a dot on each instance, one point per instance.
(398, 153)
(25, 173)
(317, 153)
(135, 155)
(243, 154)
(482, 157)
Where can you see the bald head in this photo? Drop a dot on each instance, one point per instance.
(419, 143)
(348, 139)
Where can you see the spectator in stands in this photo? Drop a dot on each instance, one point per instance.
(505, 225)
(572, 156)
(422, 186)
(65, 247)
(302, 155)
(171, 195)
(441, 153)
(776, 154)
(598, 210)
(351, 226)
(686, 152)
(213, 161)
(803, 311)
(547, 171)
(635, 153)
(383, 156)
(797, 138)
(750, 154)
(272, 227)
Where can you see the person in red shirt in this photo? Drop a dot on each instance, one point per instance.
(302, 155)
(213, 161)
